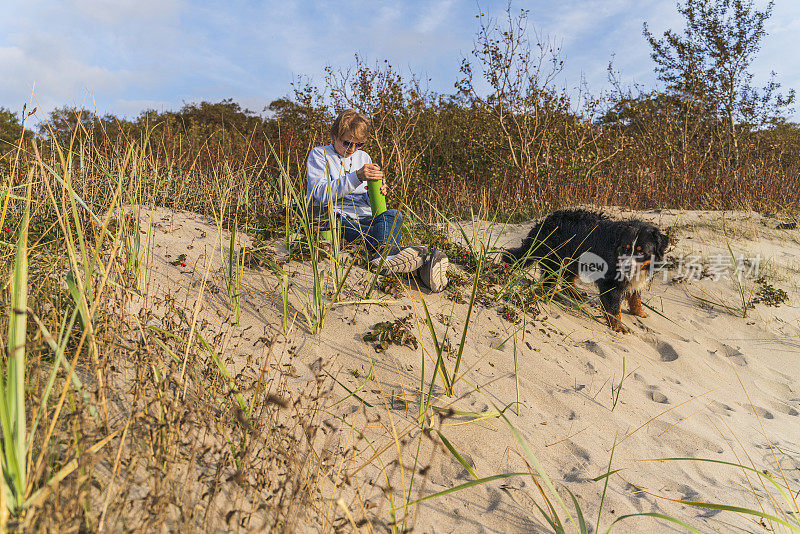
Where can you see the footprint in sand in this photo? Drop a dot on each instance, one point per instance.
(683, 443)
(720, 407)
(451, 471)
(577, 473)
(657, 396)
(494, 498)
(478, 406)
(778, 388)
(735, 355)
(762, 412)
(687, 493)
(784, 408)
(579, 452)
(667, 352)
(634, 494)
(593, 346)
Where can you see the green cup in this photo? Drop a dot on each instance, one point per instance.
(376, 199)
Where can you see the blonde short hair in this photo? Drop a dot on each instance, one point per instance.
(350, 123)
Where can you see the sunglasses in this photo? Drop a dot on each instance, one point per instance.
(349, 144)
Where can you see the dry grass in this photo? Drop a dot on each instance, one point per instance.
(161, 434)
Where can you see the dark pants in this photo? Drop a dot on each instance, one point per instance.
(385, 229)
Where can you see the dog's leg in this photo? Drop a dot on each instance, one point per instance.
(611, 299)
(635, 304)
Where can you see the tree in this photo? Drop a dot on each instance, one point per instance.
(223, 115)
(10, 130)
(523, 100)
(306, 116)
(708, 66)
(62, 123)
(395, 104)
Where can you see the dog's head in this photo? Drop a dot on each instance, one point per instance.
(639, 245)
(653, 243)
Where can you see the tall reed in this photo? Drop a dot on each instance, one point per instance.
(12, 386)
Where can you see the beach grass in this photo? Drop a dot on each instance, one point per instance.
(110, 387)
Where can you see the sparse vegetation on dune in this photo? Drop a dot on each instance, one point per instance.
(142, 413)
(187, 385)
(121, 409)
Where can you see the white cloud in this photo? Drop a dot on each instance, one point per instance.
(388, 14)
(137, 52)
(431, 18)
(62, 80)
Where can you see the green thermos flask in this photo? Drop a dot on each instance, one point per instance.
(376, 199)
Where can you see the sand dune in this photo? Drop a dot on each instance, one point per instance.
(699, 381)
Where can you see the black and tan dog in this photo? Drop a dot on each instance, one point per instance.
(628, 248)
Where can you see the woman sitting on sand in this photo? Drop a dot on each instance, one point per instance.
(338, 173)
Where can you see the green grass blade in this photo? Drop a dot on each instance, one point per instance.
(466, 323)
(579, 513)
(163, 345)
(351, 393)
(75, 196)
(74, 290)
(606, 475)
(440, 365)
(740, 510)
(466, 485)
(224, 370)
(659, 313)
(709, 302)
(538, 466)
(472, 415)
(458, 456)
(374, 278)
(660, 516)
(232, 260)
(551, 519)
(13, 416)
(739, 284)
(608, 471)
(59, 361)
(761, 474)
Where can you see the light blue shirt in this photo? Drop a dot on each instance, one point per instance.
(330, 176)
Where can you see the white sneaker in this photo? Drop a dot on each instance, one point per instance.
(406, 260)
(434, 271)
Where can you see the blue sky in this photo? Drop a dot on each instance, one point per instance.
(123, 56)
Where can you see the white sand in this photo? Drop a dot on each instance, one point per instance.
(700, 382)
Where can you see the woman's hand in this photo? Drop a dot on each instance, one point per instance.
(370, 171)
